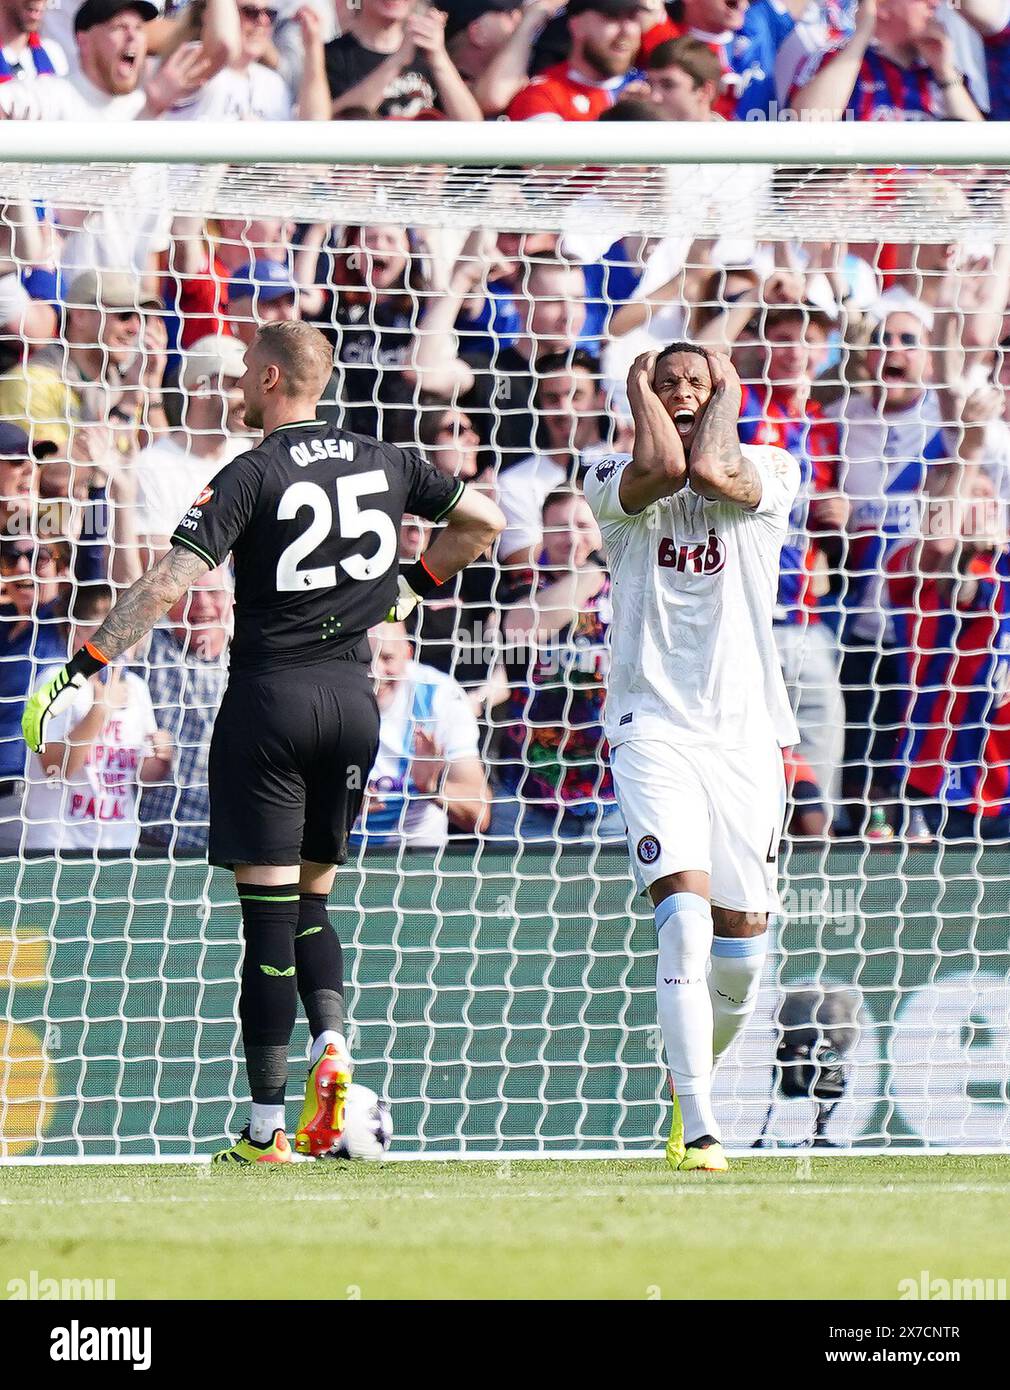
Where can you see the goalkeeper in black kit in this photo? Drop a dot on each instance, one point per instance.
(311, 517)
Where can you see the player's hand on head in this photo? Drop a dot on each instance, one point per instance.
(641, 376)
(725, 378)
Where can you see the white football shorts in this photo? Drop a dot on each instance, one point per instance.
(721, 812)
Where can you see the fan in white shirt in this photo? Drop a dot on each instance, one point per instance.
(697, 712)
(247, 90)
(175, 469)
(57, 27)
(84, 789)
(113, 81)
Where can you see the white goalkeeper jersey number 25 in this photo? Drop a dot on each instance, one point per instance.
(694, 582)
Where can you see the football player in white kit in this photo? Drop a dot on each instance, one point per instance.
(697, 712)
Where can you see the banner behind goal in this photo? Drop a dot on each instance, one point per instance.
(485, 291)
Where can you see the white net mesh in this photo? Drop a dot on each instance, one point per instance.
(768, 201)
(503, 998)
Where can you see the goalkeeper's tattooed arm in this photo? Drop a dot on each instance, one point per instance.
(148, 600)
(473, 526)
(718, 468)
(135, 614)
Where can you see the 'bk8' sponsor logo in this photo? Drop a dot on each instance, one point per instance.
(693, 557)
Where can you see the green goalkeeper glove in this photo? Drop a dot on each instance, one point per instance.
(58, 694)
(416, 583)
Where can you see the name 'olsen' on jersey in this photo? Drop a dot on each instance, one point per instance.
(312, 517)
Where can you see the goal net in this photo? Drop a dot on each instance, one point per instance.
(485, 291)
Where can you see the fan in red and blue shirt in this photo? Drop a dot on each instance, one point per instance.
(746, 49)
(895, 82)
(813, 441)
(955, 641)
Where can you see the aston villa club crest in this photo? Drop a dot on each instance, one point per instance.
(648, 849)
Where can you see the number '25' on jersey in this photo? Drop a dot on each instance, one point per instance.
(312, 518)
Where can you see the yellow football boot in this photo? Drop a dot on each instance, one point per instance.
(321, 1122)
(675, 1149)
(704, 1155)
(245, 1150)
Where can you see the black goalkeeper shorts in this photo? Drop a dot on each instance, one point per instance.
(290, 758)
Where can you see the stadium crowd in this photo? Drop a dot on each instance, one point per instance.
(503, 358)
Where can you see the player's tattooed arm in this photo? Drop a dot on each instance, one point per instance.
(658, 467)
(718, 468)
(147, 600)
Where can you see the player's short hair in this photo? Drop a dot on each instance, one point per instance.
(691, 56)
(681, 345)
(302, 353)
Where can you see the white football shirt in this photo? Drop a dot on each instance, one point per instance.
(694, 582)
(426, 699)
(169, 477)
(255, 94)
(97, 807)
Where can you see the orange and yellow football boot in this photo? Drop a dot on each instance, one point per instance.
(321, 1122)
(245, 1150)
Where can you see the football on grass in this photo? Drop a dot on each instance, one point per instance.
(368, 1125)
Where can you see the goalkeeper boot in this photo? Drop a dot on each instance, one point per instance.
(704, 1155)
(675, 1149)
(321, 1122)
(245, 1150)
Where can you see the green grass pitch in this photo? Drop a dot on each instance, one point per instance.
(777, 1227)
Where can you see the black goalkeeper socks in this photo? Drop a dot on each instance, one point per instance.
(268, 1001)
(320, 961)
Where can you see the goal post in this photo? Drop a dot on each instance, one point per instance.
(501, 997)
